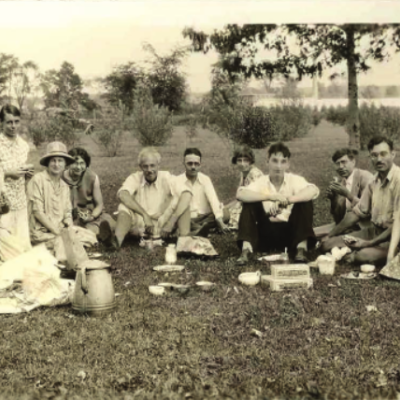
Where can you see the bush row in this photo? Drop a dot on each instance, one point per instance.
(383, 120)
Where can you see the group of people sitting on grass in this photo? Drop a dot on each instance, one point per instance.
(271, 212)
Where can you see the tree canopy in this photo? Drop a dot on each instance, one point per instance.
(300, 49)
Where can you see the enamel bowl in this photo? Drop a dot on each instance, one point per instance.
(206, 286)
(250, 278)
(157, 290)
(367, 268)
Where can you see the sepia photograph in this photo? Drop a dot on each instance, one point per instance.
(199, 199)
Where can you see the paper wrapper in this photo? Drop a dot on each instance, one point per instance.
(195, 245)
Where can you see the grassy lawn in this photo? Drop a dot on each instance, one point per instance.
(320, 343)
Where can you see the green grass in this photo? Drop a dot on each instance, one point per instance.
(319, 343)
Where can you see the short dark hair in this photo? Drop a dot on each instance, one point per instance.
(279, 147)
(345, 151)
(79, 152)
(192, 150)
(378, 140)
(243, 151)
(9, 109)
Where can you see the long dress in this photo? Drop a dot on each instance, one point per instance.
(236, 209)
(13, 155)
(51, 199)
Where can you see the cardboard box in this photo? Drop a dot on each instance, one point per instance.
(278, 285)
(290, 271)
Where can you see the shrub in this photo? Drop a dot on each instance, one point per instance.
(337, 115)
(109, 129)
(379, 121)
(152, 124)
(290, 121)
(253, 126)
(43, 129)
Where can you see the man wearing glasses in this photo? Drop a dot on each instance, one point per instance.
(378, 202)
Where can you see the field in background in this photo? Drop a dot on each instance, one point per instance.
(320, 343)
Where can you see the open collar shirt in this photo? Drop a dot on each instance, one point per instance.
(380, 199)
(13, 155)
(151, 196)
(292, 184)
(204, 198)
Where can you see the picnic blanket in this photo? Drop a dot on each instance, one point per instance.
(31, 280)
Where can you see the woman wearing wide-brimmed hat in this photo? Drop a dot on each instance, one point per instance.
(49, 206)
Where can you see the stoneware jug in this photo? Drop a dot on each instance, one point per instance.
(94, 290)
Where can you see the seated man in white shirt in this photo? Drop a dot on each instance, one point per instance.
(277, 210)
(206, 211)
(151, 202)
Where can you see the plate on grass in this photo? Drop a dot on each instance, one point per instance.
(169, 268)
(272, 257)
(359, 275)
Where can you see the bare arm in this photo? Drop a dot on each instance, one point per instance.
(348, 221)
(307, 194)
(98, 199)
(46, 222)
(250, 196)
(132, 204)
(394, 242)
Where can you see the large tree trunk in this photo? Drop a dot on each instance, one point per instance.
(353, 121)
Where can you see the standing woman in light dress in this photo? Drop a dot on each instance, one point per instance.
(13, 161)
(243, 158)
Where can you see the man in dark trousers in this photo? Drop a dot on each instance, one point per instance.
(277, 210)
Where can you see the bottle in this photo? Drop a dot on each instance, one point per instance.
(170, 254)
(285, 257)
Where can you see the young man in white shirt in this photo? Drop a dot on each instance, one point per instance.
(206, 211)
(277, 210)
(151, 201)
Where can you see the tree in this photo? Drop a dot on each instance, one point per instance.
(167, 83)
(24, 81)
(152, 124)
(302, 49)
(120, 85)
(8, 63)
(63, 89)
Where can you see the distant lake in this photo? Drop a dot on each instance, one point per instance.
(392, 102)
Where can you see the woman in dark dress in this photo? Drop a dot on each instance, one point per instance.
(86, 197)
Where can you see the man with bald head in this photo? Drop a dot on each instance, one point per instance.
(151, 202)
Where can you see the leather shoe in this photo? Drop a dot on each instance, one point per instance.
(105, 231)
(301, 257)
(244, 258)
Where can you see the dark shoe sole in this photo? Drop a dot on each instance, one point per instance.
(105, 231)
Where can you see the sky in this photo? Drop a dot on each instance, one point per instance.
(96, 35)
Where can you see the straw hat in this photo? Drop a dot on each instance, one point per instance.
(56, 149)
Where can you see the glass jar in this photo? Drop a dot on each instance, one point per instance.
(170, 254)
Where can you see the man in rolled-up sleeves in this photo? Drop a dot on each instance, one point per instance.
(152, 202)
(377, 203)
(206, 211)
(277, 210)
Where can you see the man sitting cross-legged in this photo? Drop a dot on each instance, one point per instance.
(346, 192)
(206, 211)
(277, 210)
(378, 203)
(151, 201)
